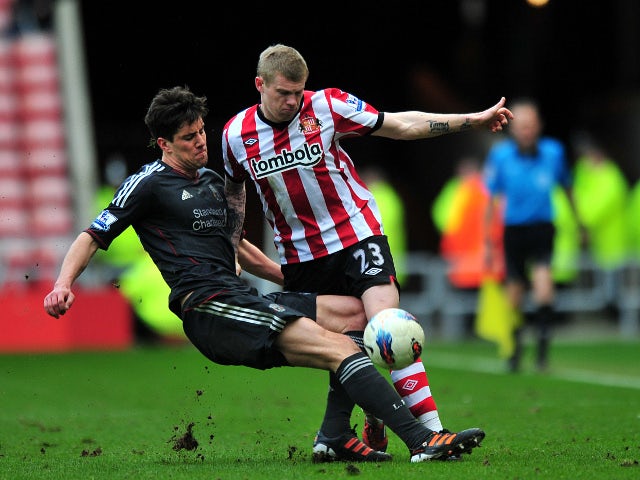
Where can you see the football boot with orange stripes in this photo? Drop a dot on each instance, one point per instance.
(345, 448)
(446, 445)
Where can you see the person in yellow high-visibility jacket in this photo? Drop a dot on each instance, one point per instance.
(565, 259)
(392, 210)
(601, 195)
(633, 222)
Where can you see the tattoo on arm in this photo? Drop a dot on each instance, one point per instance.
(466, 125)
(438, 127)
(235, 223)
(236, 200)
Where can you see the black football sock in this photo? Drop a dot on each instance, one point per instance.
(544, 321)
(514, 360)
(374, 394)
(357, 337)
(337, 414)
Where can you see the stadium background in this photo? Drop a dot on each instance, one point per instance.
(580, 60)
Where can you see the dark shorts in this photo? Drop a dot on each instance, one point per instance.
(348, 272)
(525, 246)
(240, 328)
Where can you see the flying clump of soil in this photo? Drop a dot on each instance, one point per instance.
(186, 441)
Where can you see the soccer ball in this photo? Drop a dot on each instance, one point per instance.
(393, 339)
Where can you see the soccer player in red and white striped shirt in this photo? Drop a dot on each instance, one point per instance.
(327, 227)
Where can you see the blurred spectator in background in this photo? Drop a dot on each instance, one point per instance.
(523, 171)
(567, 241)
(459, 213)
(392, 211)
(601, 194)
(29, 16)
(633, 222)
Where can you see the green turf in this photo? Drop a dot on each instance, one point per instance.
(119, 414)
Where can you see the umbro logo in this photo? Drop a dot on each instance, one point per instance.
(409, 385)
(373, 271)
(186, 195)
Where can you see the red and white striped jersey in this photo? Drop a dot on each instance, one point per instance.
(310, 191)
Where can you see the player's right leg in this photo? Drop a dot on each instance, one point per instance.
(340, 313)
(304, 343)
(336, 439)
(346, 315)
(412, 382)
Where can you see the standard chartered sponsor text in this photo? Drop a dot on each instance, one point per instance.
(208, 218)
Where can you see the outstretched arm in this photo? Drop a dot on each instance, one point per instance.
(415, 125)
(60, 299)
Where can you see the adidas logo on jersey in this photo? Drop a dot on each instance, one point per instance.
(186, 195)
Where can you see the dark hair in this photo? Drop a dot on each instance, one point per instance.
(171, 109)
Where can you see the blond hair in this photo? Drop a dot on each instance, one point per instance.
(283, 60)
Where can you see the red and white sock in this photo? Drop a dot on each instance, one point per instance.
(413, 386)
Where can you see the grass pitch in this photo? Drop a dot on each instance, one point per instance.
(162, 413)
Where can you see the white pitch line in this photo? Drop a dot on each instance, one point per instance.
(597, 378)
(496, 366)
